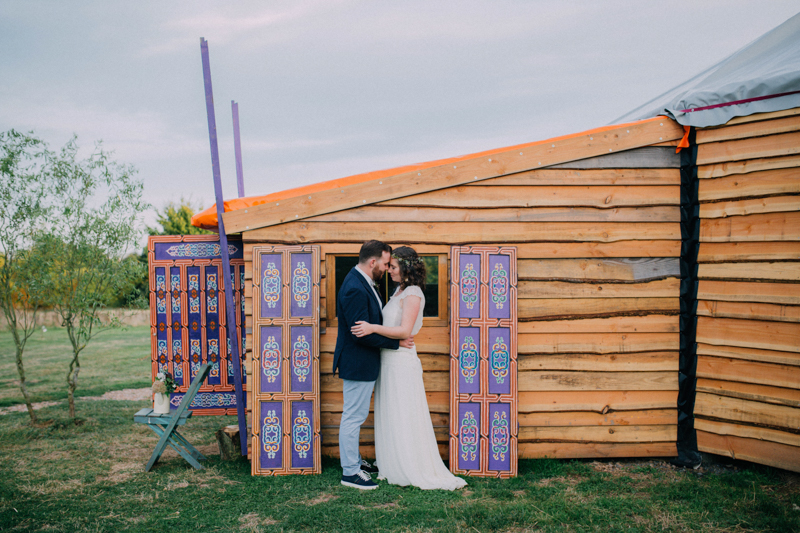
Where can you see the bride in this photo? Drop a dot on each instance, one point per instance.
(405, 445)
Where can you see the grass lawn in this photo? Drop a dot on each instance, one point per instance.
(90, 477)
(116, 359)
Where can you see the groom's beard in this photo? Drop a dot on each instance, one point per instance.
(376, 273)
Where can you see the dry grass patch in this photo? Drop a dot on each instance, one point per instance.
(323, 497)
(50, 487)
(252, 522)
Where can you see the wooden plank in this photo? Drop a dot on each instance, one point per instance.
(650, 417)
(368, 451)
(367, 434)
(544, 250)
(448, 174)
(749, 129)
(757, 451)
(748, 432)
(627, 269)
(762, 116)
(571, 450)
(619, 324)
(765, 183)
(647, 248)
(645, 157)
(769, 146)
(750, 391)
(748, 251)
(785, 271)
(428, 340)
(749, 310)
(609, 176)
(596, 401)
(750, 354)
(596, 343)
(587, 381)
(332, 419)
(662, 288)
(434, 382)
(780, 336)
(667, 143)
(388, 213)
(742, 291)
(430, 362)
(746, 411)
(663, 433)
(729, 369)
(537, 309)
(763, 227)
(751, 206)
(620, 362)
(464, 232)
(749, 165)
(438, 402)
(602, 197)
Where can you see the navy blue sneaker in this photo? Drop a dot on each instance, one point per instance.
(360, 481)
(368, 468)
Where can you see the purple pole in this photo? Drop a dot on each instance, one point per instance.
(237, 146)
(223, 241)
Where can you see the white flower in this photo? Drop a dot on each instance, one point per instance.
(160, 376)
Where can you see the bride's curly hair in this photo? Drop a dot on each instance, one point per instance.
(412, 268)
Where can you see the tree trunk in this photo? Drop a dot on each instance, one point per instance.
(72, 384)
(22, 387)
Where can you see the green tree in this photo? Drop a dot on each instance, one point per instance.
(25, 190)
(176, 219)
(82, 255)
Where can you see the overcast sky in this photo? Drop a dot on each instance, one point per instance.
(331, 88)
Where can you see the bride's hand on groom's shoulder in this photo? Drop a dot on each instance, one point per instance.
(362, 329)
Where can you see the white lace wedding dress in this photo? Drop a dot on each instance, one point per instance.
(405, 445)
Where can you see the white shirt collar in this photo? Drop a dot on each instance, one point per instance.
(371, 284)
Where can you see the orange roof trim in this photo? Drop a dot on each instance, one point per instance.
(208, 219)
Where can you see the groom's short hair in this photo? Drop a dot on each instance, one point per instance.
(372, 249)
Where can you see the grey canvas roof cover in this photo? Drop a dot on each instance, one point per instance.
(763, 76)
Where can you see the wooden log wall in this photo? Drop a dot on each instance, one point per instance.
(598, 252)
(748, 332)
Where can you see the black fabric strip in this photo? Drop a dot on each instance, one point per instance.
(688, 455)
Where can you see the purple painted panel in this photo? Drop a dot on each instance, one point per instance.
(212, 324)
(162, 350)
(206, 400)
(271, 454)
(302, 434)
(271, 281)
(499, 361)
(242, 322)
(301, 285)
(469, 286)
(469, 435)
(175, 317)
(499, 437)
(196, 250)
(499, 284)
(194, 320)
(469, 345)
(271, 358)
(302, 339)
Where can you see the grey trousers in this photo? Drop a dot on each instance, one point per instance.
(357, 396)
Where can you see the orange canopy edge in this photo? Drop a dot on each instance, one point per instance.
(207, 219)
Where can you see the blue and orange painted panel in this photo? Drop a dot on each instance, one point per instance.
(285, 378)
(187, 316)
(483, 361)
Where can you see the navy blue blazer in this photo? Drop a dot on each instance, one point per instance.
(358, 358)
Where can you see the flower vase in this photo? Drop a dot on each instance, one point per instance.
(160, 403)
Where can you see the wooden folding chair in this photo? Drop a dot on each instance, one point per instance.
(166, 426)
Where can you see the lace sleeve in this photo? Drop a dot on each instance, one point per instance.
(412, 290)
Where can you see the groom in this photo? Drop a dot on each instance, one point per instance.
(358, 358)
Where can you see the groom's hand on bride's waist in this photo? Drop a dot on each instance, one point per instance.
(407, 343)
